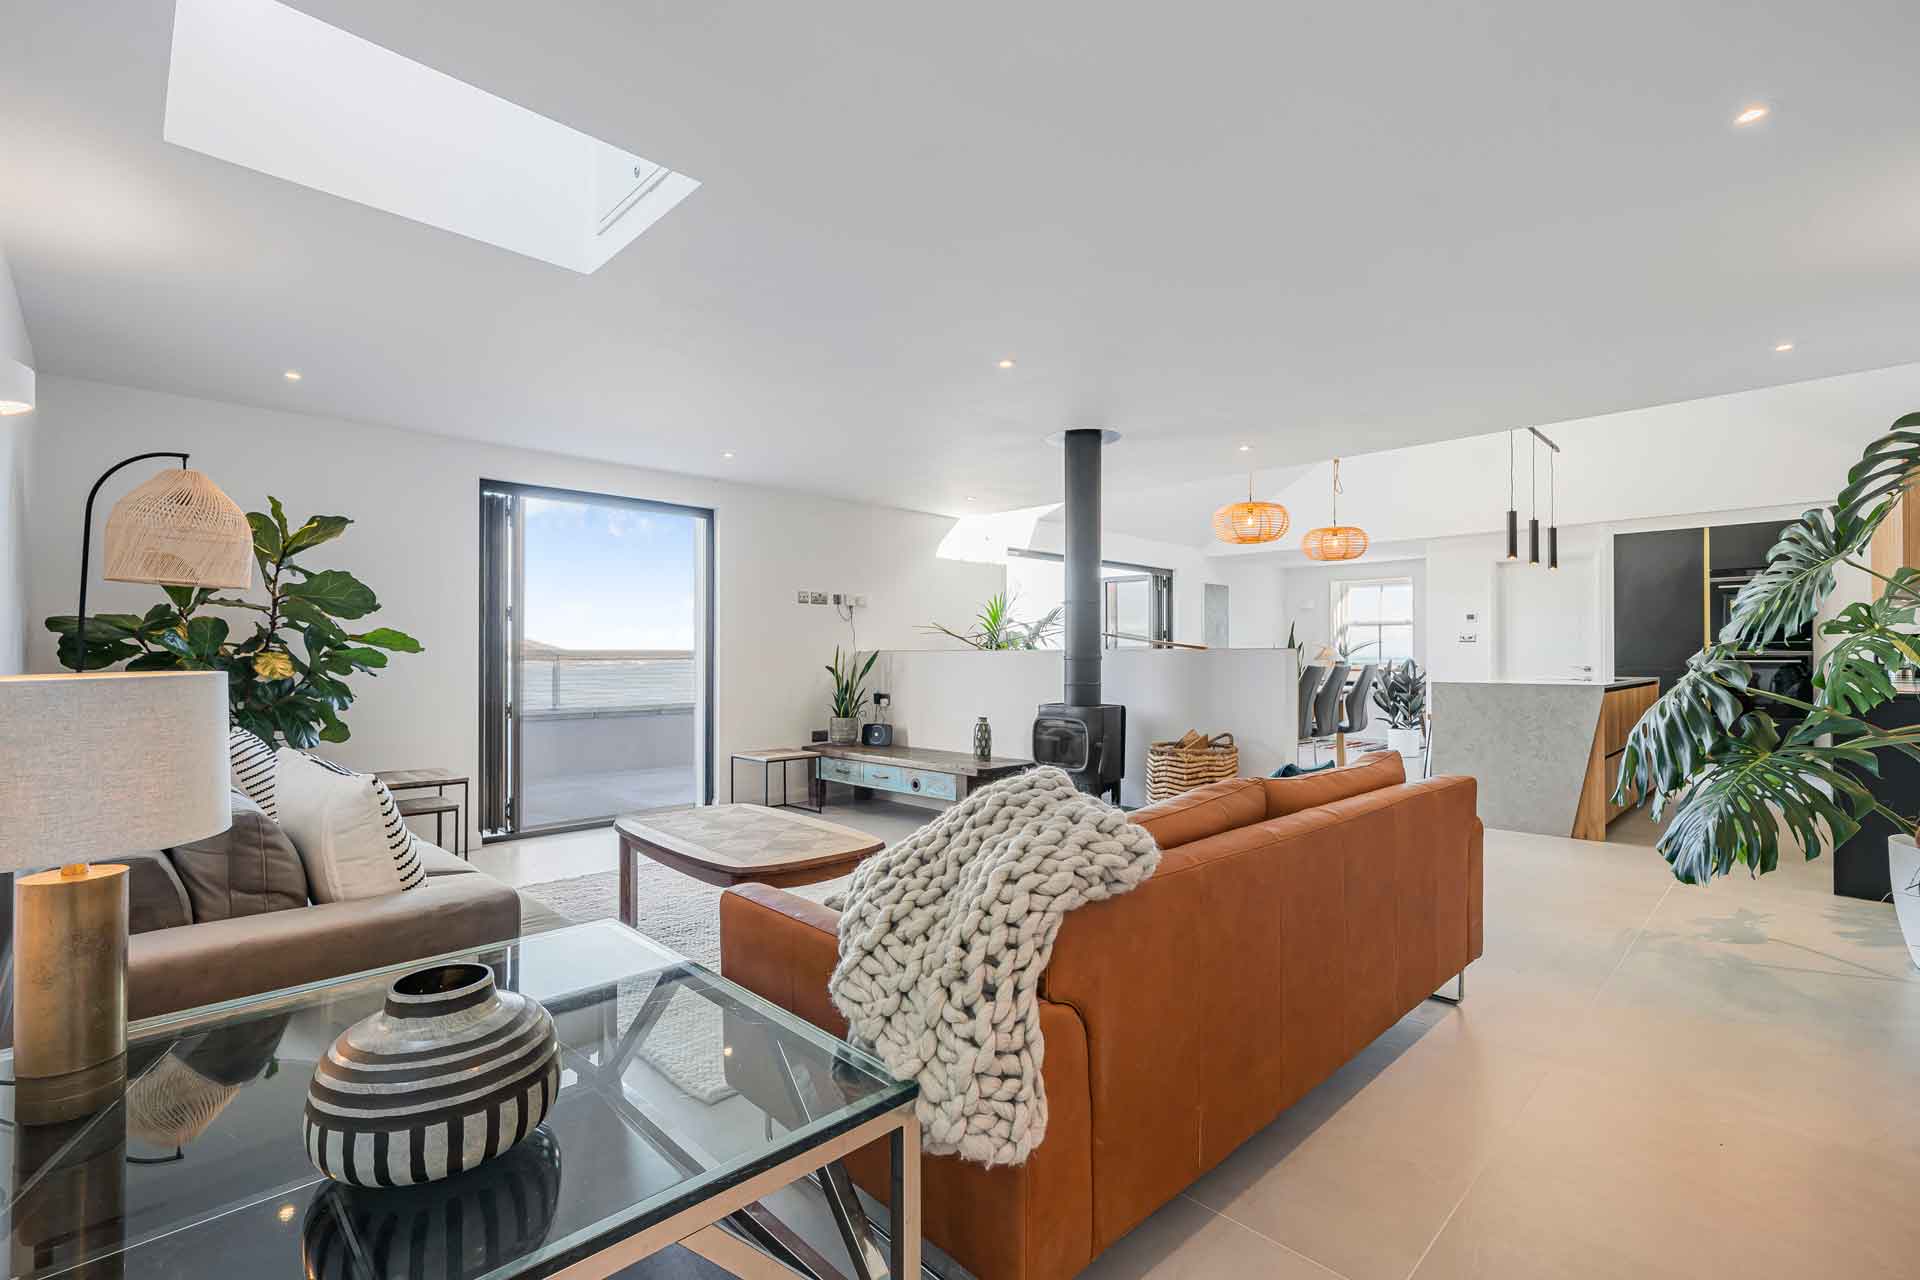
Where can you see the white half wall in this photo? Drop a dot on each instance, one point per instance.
(415, 502)
(1251, 693)
(16, 450)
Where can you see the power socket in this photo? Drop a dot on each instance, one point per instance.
(819, 597)
(803, 597)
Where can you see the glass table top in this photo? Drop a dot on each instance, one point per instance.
(675, 1085)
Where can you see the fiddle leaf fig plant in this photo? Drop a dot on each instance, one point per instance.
(288, 679)
(1711, 750)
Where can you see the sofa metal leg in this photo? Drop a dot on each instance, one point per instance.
(1459, 990)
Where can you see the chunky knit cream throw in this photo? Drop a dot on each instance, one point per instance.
(944, 936)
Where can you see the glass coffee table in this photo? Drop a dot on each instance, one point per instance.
(199, 1171)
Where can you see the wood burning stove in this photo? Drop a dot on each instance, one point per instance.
(1081, 734)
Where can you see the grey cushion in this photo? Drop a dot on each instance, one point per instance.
(155, 897)
(247, 870)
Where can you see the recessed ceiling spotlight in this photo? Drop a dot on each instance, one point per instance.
(1006, 362)
(727, 456)
(291, 375)
(970, 498)
(1783, 346)
(1753, 114)
(1246, 448)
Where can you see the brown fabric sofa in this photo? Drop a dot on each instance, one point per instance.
(1290, 922)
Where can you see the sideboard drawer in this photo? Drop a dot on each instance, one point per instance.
(885, 776)
(940, 786)
(832, 770)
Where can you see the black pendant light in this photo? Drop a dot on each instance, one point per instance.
(1553, 518)
(1533, 479)
(1513, 512)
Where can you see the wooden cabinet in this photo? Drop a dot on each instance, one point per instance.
(1620, 710)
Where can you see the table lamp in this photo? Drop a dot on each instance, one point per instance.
(101, 763)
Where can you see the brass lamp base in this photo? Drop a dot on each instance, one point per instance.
(70, 989)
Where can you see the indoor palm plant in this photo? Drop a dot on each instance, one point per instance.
(1401, 695)
(849, 689)
(288, 680)
(995, 627)
(1731, 775)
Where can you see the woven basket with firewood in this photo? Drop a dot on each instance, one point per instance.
(1192, 761)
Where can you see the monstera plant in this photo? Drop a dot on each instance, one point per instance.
(1731, 776)
(288, 679)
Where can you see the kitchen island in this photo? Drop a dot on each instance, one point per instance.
(1545, 753)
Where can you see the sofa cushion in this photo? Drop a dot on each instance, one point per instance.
(254, 763)
(1203, 811)
(246, 870)
(347, 828)
(1311, 790)
(155, 897)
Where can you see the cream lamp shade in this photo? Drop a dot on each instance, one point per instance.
(16, 388)
(179, 529)
(110, 762)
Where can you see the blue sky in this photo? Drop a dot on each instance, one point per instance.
(608, 577)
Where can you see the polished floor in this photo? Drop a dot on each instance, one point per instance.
(1646, 1079)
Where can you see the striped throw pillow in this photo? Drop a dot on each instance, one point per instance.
(351, 837)
(255, 764)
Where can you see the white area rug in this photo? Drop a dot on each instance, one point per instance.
(683, 914)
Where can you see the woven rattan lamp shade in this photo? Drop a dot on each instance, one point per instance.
(1251, 521)
(1335, 542)
(178, 529)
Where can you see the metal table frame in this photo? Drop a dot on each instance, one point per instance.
(816, 792)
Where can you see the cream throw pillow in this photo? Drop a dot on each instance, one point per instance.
(349, 832)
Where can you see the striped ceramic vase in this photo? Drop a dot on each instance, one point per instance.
(449, 1074)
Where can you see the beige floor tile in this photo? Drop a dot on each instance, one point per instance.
(1185, 1241)
(1362, 1173)
(1607, 1178)
(1781, 927)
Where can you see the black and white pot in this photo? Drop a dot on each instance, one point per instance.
(448, 1075)
(1903, 867)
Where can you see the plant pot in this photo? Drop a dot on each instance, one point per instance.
(495, 1071)
(843, 731)
(1406, 741)
(1903, 862)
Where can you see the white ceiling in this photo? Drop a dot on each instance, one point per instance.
(1318, 228)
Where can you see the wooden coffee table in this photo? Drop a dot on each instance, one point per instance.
(729, 844)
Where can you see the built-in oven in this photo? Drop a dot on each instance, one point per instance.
(1725, 588)
(1784, 666)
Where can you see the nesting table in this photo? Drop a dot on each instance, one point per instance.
(435, 806)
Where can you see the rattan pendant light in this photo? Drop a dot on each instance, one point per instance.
(1335, 541)
(178, 529)
(1251, 521)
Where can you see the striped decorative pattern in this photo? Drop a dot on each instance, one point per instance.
(468, 1227)
(255, 769)
(449, 1074)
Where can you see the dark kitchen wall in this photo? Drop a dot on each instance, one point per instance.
(1659, 591)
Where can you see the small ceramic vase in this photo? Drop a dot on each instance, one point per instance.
(448, 1075)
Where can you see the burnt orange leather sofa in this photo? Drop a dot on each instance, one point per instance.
(1290, 922)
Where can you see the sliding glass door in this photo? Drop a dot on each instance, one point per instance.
(595, 657)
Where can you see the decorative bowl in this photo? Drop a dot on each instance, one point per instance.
(449, 1074)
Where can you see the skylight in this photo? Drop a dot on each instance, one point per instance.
(259, 84)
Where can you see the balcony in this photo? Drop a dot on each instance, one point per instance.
(605, 731)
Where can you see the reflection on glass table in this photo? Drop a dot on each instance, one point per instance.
(685, 1100)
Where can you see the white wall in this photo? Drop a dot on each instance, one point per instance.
(1780, 445)
(16, 449)
(415, 499)
(1251, 693)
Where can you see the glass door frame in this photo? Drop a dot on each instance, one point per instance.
(705, 645)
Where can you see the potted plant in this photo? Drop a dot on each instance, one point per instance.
(995, 627)
(849, 689)
(288, 679)
(1401, 695)
(1733, 777)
